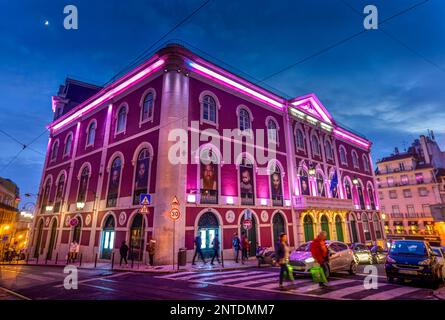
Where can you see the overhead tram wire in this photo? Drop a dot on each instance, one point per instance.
(140, 57)
(338, 43)
(398, 40)
(23, 145)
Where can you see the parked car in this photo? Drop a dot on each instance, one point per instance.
(441, 257)
(414, 260)
(265, 255)
(362, 253)
(341, 258)
(378, 254)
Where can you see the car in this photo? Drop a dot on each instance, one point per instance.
(413, 260)
(378, 254)
(362, 253)
(265, 256)
(441, 257)
(341, 258)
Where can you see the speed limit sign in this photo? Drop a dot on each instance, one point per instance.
(174, 214)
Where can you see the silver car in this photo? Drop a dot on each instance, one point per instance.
(341, 258)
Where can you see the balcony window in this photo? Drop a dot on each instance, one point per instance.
(407, 193)
(393, 194)
(419, 178)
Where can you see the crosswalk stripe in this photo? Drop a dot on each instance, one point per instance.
(175, 275)
(256, 282)
(340, 293)
(36, 277)
(237, 279)
(391, 294)
(190, 275)
(316, 286)
(52, 273)
(255, 278)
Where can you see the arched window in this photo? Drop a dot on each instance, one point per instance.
(55, 150)
(361, 197)
(342, 152)
(308, 226)
(371, 197)
(325, 225)
(121, 119)
(339, 228)
(147, 107)
(244, 119)
(114, 182)
(355, 159)
(46, 191)
(68, 142)
(142, 173)
(209, 109)
(366, 230)
(377, 227)
(208, 230)
(59, 193)
(272, 131)
(278, 226)
(365, 163)
(315, 145)
(83, 184)
(348, 189)
(91, 134)
(353, 228)
(320, 185)
(77, 230)
(247, 186)
(328, 150)
(108, 236)
(300, 140)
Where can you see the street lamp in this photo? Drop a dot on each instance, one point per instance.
(49, 208)
(383, 216)
(80, 205)
(311, 170)
(355, 181)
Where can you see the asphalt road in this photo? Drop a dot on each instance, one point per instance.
(47, 283)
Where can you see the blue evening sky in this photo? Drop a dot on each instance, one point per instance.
(388, 85)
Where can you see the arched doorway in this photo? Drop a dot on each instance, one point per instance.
(251, 235)
(52, 239)
(137, 231)
(208, 229)
(308, 226)
(107, 238)
(325, 226)
(279, 227)
(77, 230)
(38, 239)
(353, 228)
(339, 229)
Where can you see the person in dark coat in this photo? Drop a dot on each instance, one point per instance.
(123, 251)
(215, 244)
(198, 251)
(236, 246)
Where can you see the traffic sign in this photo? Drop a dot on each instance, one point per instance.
(175, 202)
(174, 214)
(144, 209)
(144, 199)
(74, 222)
(247, 224)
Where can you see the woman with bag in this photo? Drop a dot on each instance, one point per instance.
(282, 256)
(320, 254)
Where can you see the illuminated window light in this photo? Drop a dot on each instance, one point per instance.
(80, 205)
(235, 85)
(263, 202)
(312, 120)
(297, 113)
(229, 200)
(287, 203)
(49, 208)
(110, 94)
(326, 127)
(191, 198)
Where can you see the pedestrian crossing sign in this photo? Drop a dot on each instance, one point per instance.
(144, 199)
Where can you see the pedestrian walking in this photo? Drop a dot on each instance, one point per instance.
(245, 246)
(198, 251)
(215, 244)
(151, 251)
(282, 256)
(236, 246)
(72, 252)
(320, 254)
(123, 251)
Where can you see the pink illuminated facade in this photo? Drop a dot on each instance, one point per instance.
(114, 143)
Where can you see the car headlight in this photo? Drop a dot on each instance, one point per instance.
(425, 262)
(309, 260)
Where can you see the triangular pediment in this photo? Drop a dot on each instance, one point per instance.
(310, 104)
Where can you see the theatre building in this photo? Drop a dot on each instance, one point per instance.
(227, 149)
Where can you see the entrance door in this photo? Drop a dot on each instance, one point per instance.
(251, 235)
(353, 225)
(308, 226)
(339, 229)
(325, 226)
(52, 240)
(39, 239)
(278, 227)
(208, 229)
(107, 238)
(136, 238)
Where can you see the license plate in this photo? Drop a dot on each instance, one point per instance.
(408, 272)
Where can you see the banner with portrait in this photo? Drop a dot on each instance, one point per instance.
(209, 182)
(141, 178)
(320, 186)
(276, 187)
(247, 189)
(304, 184)
(113, 186)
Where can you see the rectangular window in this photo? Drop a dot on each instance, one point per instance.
(395, 209)
(410, 210)
(407, 193)
(381, 197)
(390, 181)
(423, 192)
(402, 166)
(393, 194)
(404, 179)
(426, 209)
(419, 178)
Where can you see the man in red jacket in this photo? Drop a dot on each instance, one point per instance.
(320, 252)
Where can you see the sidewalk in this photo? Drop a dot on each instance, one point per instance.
(139, 267)
(440, 293)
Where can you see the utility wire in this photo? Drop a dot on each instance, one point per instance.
(398, 40)
(139, 57)
(338, 43)
(24, 146)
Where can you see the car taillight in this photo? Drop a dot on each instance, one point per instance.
(425, 262)
(390, 260)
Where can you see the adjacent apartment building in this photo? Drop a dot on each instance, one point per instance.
(9, 201)
(153, 131)
(409, 184)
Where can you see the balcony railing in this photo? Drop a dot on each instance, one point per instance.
(403, 184)
(303, 202)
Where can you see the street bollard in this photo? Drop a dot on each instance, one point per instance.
(132, 261)
(27, 258)
(37, 260)
(46, 259)
(95, 261)
(80, 260)
(67, 259)
(222, 258)
(57, 257)
(112, 261)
